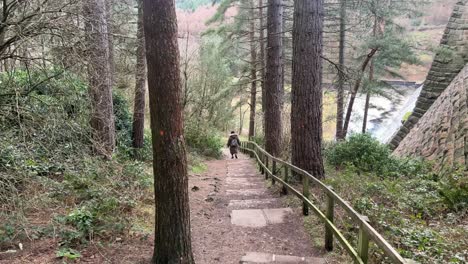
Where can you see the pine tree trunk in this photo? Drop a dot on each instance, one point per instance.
(99, 75)
(274, 78)
(262, 58)
(341, 77)
(253, 73)
(140, 91)
(172, 242)
(306, 106)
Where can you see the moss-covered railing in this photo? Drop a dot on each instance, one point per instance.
(270, 167)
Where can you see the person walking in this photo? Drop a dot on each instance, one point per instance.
(233, 144)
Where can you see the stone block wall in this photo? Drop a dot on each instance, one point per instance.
(441, 135)
(448, 62)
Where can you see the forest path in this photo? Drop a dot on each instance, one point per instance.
(236, 218)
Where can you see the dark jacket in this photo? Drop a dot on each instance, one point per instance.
(233, 149)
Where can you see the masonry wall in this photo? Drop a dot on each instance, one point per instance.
(441, 134)
(448, 62)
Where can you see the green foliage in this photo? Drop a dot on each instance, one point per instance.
(259, 139)
(366, 154)
(123, 119)
(46, 158)
(204, 141)
(409, 211)
(68, 253)
(124, 130)
(362, 151)
(454, 189)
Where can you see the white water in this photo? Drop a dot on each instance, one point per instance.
(385, 115)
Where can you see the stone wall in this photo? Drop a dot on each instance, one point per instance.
(450, 59)
(441, 134)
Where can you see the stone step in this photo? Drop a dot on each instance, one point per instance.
(252, 203)
(247, 193)
(258, 218)
(242, 183)
(258, 257)
(242, 180)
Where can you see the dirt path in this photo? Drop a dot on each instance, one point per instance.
(234, 214)
(235, 219)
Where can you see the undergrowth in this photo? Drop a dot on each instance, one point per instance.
(51, 185)
(419, 211)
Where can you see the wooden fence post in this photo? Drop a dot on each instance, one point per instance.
(286, 176)
(262, 160)
(363, 242)
(273, 170)
(330, 216)
(305, 192)
(266, 167)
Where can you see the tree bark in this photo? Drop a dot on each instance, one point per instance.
(355, 90)
(99, 75)
(274, 78)
(262, 58)
(110, 36)
(253, 73)
(140, 91)
(341, 77)
(306, 106)
(172, 221)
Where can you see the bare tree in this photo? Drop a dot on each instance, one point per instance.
(306, 106)
(172, 228)
(99, 75)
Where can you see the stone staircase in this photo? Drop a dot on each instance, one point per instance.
(254, 209)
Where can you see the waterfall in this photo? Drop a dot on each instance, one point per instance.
(386, 113)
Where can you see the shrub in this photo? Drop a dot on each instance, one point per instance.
(205, 141)
(362, 151)
(366, 154)
(454, 189)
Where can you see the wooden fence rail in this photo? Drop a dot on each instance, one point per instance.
(269, 167)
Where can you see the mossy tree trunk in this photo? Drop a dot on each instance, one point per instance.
(100, 77)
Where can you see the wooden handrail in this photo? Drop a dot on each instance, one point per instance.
(366, 231)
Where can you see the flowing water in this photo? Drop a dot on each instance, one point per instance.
(385, 113)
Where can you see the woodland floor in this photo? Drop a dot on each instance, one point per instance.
(227, 185)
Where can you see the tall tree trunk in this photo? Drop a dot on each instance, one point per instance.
(110, 32)
(253, 72)
(99, 74)
(262, 57)
(355, 90)
(140, 91)
(306, 106)
(274, 78)
(172, 242)
(341, 77)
